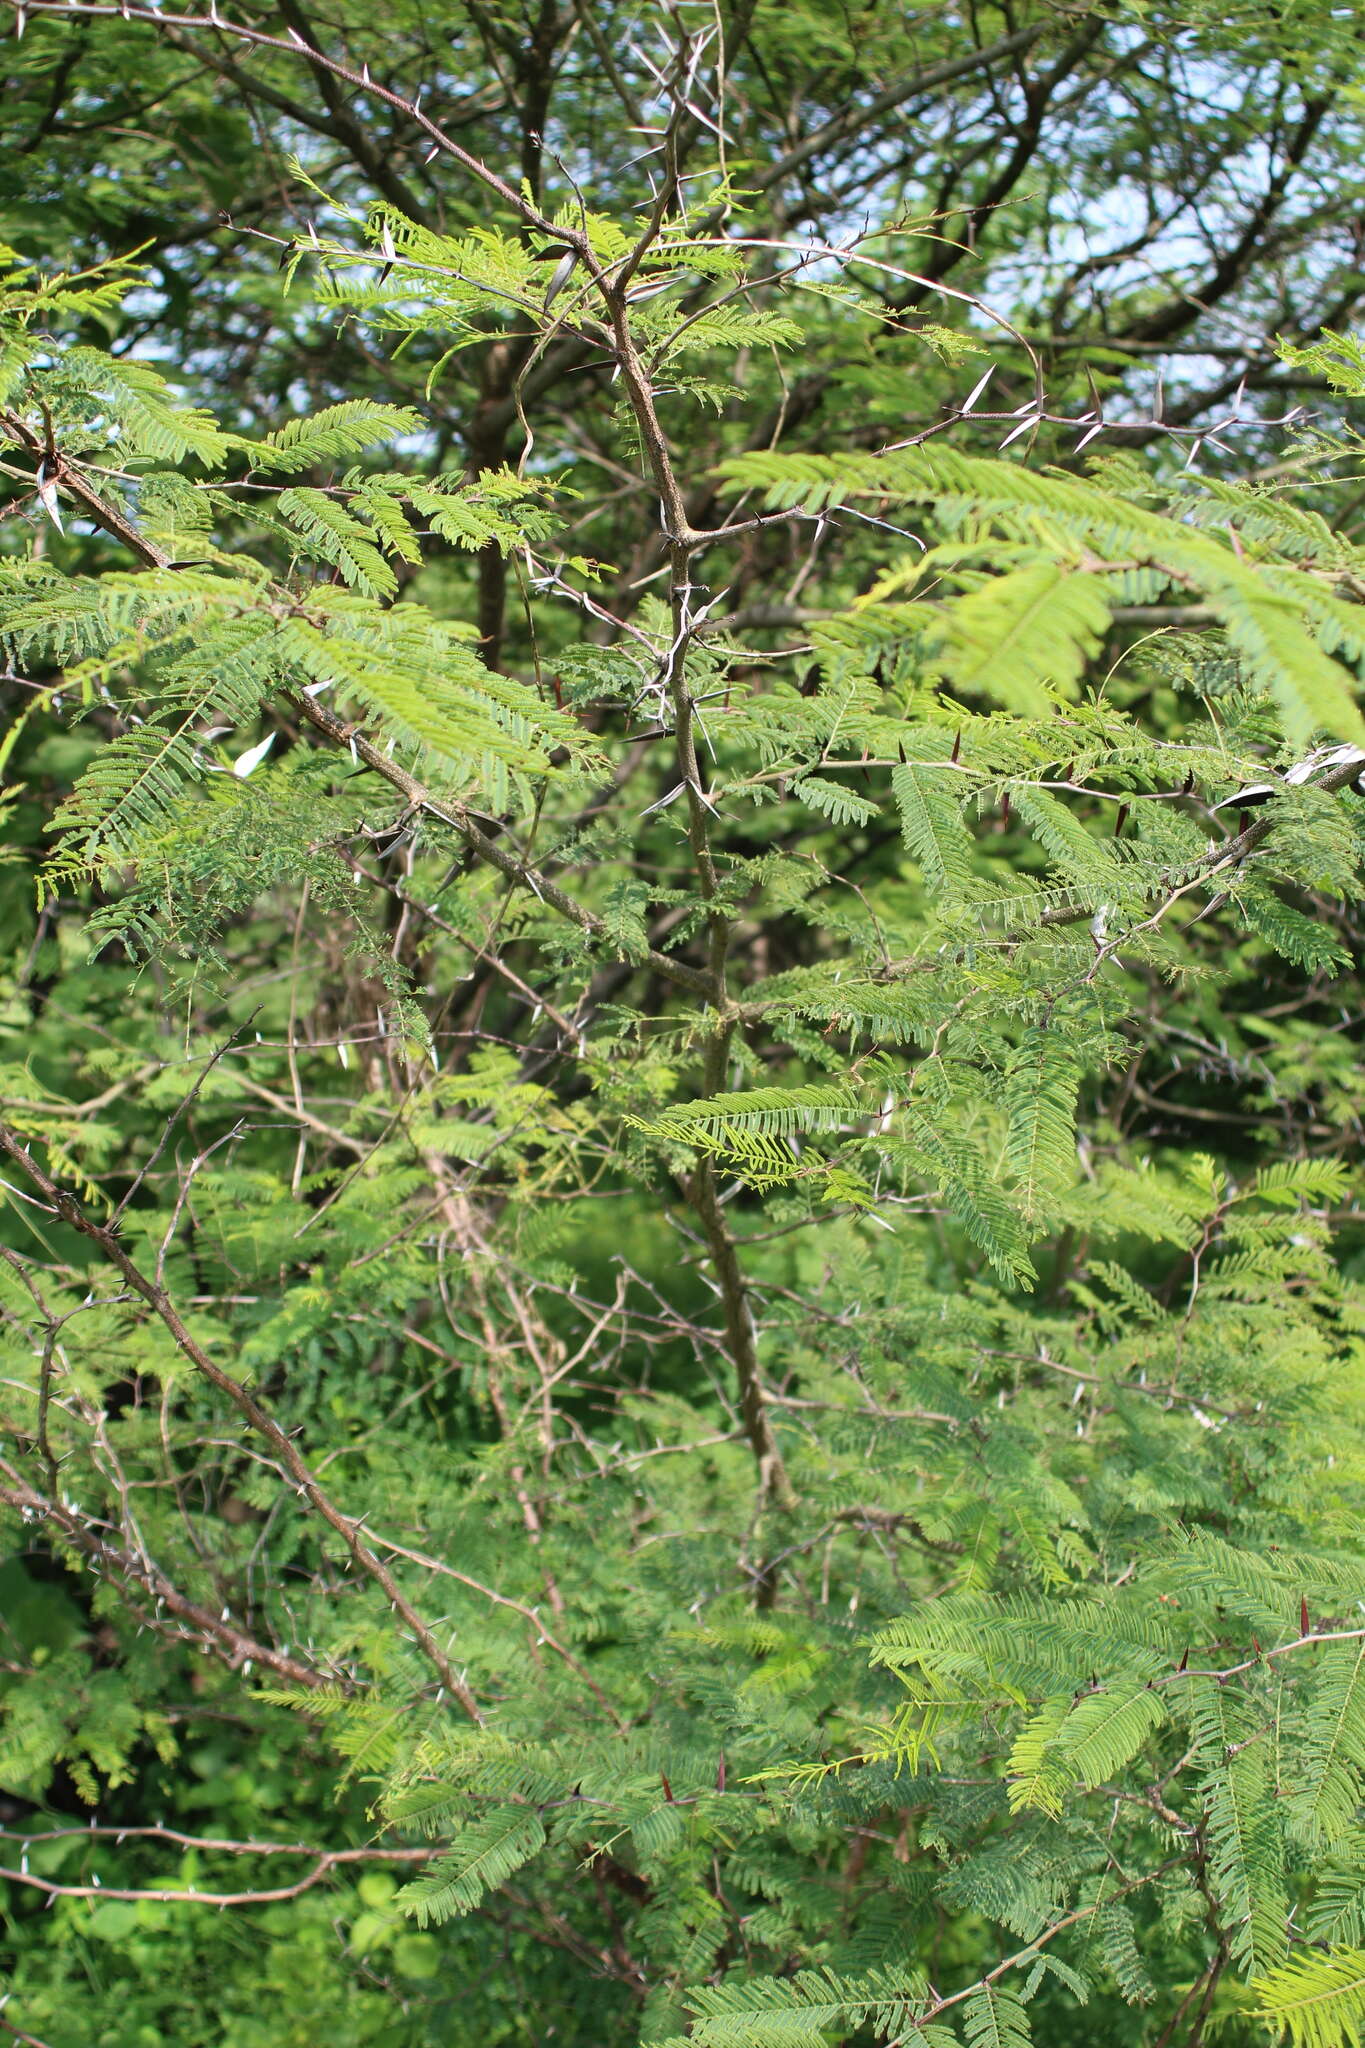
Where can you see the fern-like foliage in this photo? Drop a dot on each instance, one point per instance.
(841, 1514)
(769, 2013)
(181, 652)
(1317, 2001)
(485, 1854)
(1259, 620)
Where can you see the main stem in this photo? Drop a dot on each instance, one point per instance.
(699, 1186)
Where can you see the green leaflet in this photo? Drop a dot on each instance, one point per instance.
(1293, 935)
(1085, 1742)
(1122, 1957)
(767, 2013)
(336, 537)
(1334, 1749)
(485, 1854)
(1041, 1086)
(833, 801)
(1245, 1825)
(331, 433)
(1023, 631)
(933, 826)
(1260, 620)
(971, 1195)
(995, 2017)
(152, 423)
(1317, 2001)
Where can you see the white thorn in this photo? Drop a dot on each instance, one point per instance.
(252, 758)
(47, 497)
(1024, 427)
(563, 271)
(970, 400)
(664, 800)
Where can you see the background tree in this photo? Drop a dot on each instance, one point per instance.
(681, 1339)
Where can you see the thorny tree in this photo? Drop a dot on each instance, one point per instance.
(673, 1165)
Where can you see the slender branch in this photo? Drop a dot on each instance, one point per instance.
(218, 1845)
(741, 1338)
(345, 737)
(328, 1860)
(18, 2033)
(236, 1645)
(358, 79)
(74, 1214)
(1049, 1934)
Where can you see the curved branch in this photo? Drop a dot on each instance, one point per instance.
(75, 1215)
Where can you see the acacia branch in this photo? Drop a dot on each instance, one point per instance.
(235, 1645)
(344, 736)
(699, 1186)
(26, 2040)
(75, 1215)
(221, 1845)
(327, 1862)
(359, 80)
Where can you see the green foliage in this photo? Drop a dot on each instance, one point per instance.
(681, 1325)
(1319, 2000)
(483, 1858)
(1034, 625)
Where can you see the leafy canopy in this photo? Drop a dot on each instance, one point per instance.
(680, 1274)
